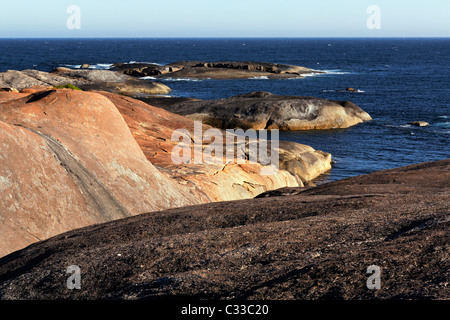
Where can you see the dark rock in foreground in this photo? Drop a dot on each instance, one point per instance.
(317, 244)
(264, 110)
(214, 70)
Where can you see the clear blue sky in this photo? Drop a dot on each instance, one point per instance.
(225, 18)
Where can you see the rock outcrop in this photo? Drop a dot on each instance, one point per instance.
(264, 110)
(86, 79)
(67, 160)
(317, 243)
(214, 70)
(72, 158)
(152, 128)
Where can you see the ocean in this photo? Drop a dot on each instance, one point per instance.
(400, 80)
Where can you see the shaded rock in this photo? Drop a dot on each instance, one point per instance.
(317, 244)
(84, 66)
(264, 110)
(145, 70)
(165, 102)
(419, 123)
(282, 192)
(135, 69)
(9, 90)
(215, 70)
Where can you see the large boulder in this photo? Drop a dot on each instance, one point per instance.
(321, 243)
(264, 110)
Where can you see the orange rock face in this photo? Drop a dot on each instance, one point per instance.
(153, 127)
(38, 197)
(68, 159)
(72, 158)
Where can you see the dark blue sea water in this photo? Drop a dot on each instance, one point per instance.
(401, 80)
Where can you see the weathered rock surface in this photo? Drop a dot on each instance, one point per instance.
(83, 78)
(153, 127)
(68, 159)
(214, 70)
(316, 244)
(264, 110)
(71, 158)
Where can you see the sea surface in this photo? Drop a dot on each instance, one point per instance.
(399, 79)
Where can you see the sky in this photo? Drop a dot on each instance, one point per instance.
(220, 18)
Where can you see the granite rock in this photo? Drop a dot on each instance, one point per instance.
(316, 244)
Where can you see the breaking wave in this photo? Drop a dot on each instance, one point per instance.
(98, 66)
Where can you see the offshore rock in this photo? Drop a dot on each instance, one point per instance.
(264, 110)
(215, 70)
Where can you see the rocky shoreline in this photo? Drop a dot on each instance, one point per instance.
(88, 178)
(214, 70)
(91, 154)
(314, 244)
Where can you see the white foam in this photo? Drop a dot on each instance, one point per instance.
(98, 66)
(304, 75)
(260, 78)
(337, 72)
(73, 66)
(101, 66)
(340, 91)
(312, 74)
(181, 79)
(318, 73)
(397, 126)
(147, 78)
(443, 124)
(136, 62)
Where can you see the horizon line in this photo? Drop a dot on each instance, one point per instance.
(235, 37)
